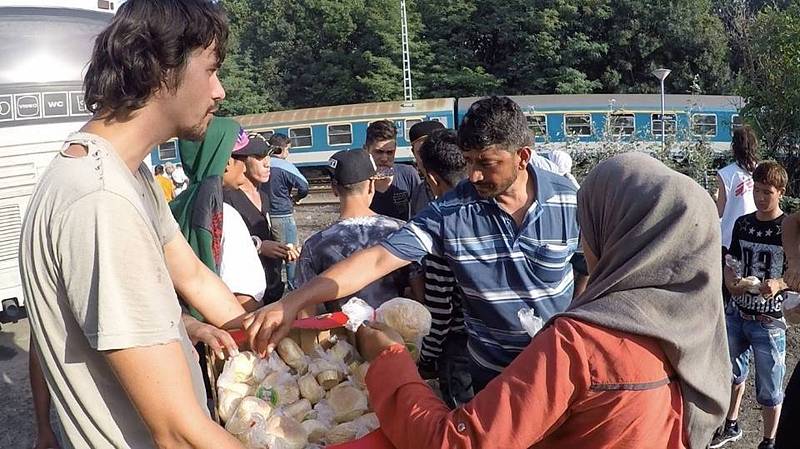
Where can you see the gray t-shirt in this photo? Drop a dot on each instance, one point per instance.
(95, 278)
(341, 239)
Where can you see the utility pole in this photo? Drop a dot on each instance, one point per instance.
(408, 94)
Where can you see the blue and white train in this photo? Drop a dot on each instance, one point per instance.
(571, 122)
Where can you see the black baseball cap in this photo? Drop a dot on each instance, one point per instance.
(351, 166)
(251, 144)
(423, 129)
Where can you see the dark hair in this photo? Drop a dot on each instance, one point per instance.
(159, 169)
(441, 154)
(380, 130)
(279, 140)
(494, 121)
(349, 189)
(772, 174)
(147, 47)
(745, 148)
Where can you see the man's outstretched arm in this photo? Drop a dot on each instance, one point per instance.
(267, 326)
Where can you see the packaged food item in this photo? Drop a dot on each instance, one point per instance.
(291, 353)
(310, 388)
(409, 318)
(341, 433)
(327, 373)
(298, 410)
(358, 374)
(268, 365)
(242, 366)
(246, 415)
(316, 429)
(293, 434)
(278, 388)
(366, 424)
(347, 402)
(227, 402)
(342, 351)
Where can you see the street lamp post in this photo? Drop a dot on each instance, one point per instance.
(662, 74)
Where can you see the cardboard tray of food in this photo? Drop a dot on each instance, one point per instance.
(308, 334)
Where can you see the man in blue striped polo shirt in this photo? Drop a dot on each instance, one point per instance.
(509, 233)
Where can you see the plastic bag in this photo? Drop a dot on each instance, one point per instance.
(279, 388)
(791, 307)
(357, 311)
(530, 322)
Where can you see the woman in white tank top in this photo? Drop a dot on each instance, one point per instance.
(735, 182)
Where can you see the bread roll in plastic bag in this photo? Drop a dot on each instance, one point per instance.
(268, 365)
(278, 388)
(366, 424)
(409, 318)
(298, 410)
(342, 351)
(246, 415)
(242, 365)
(310, 388)
(341, 433)
(227, 402)
(288, 429)
(316, 429)
(291, 353)
(347, 402)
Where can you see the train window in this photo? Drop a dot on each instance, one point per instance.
(578, 124)
(704, 124)
(622, 124)
(537, 123)
(266, 134)
(670, 124)
(340, 134)
(301, 137)
(167, 151)
(409, 123)
(736, 122)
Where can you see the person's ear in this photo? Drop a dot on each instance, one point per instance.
(525, 154)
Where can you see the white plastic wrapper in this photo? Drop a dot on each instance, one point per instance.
(530, 322)
(357, 311)
(791, 307)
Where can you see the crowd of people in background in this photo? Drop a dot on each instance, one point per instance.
(646, 334)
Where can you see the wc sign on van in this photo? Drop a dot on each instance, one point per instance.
(56, 104)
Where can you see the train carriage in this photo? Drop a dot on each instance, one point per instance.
(318, 133)
(583, 122)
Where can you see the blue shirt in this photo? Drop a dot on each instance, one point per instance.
(341, 239)
(283, 178)
(394, 202)
(500, 268)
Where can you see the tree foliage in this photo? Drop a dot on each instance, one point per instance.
(303, 53)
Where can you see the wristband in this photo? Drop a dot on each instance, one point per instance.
(257, 242)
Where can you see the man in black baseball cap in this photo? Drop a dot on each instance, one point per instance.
(353, 180)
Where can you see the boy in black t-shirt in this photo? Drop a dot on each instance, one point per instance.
(754, 317)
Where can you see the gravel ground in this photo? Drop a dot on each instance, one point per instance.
(17, 427)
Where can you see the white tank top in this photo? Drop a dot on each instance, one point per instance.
(738, 185)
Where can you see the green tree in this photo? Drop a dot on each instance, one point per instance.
(770, 81)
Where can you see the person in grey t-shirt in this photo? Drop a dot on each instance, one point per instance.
(358, 227)
(102, 259)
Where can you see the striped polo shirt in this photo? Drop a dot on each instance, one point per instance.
(501, 268)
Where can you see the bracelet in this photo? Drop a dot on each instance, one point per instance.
(257, 242)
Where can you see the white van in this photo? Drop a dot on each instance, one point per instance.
(44, 48)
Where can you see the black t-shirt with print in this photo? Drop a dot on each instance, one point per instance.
(394, 201)
(757, 245)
